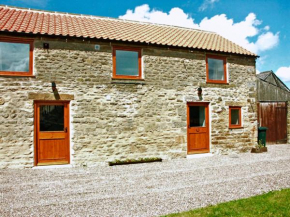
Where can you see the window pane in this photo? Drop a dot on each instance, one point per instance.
(215, 69)
(197, 116)
(127, 63)
(235, 116)
(14, 57)
(51, 118)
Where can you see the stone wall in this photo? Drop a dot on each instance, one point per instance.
(288, 121)
(118, 119)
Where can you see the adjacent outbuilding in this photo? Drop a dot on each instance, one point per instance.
(273, 107)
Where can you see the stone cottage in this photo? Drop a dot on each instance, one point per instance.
(85, 90)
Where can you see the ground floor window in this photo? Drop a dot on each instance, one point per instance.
(235, 117)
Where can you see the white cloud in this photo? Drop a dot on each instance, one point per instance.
(206, 4)
(236, 32)
(284, 73)
(239, 32)
(176, 16)
(257, 71)
(267, 41)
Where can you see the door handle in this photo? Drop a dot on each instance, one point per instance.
(65, 129)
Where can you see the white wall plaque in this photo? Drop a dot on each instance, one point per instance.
(97, 47)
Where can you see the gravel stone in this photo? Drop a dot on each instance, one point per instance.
(143, 189)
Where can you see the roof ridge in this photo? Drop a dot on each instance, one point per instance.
(100, 17)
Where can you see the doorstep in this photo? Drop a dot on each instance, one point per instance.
(52, 166)
(193, 156)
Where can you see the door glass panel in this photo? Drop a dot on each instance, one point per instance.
(51, 118)
(235, 116)
(197, 116)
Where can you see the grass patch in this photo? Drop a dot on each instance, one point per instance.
(275, 203)
(135, 161)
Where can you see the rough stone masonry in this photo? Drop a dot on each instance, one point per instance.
(118, 119)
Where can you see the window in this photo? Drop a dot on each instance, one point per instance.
(235, 117)
(16, 56)
(216, 70)
(127, 63)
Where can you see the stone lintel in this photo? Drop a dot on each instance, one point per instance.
(50, 96)
(233, 103)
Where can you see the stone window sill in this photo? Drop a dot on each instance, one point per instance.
(219, 83)
(236, 127)
(18, 76)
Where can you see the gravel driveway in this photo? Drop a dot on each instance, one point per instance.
(143, 189)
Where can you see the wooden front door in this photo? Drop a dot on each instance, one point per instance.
(51, 133)
(197, 128)
(273, 115)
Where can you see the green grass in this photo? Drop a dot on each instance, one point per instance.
(275, 203)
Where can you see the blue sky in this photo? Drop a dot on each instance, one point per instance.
(261, 26)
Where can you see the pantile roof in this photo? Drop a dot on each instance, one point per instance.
(37, 22)
(272, 78)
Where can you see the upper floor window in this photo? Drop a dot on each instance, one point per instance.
(127, 63)
(216, 69)
(235, 117)
(16, 57)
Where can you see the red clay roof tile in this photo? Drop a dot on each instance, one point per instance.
(61, 24)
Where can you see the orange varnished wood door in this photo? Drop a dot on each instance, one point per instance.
(52, 133)
(197, 128)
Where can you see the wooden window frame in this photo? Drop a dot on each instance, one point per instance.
(139, 50)
(234, 126)
(21, 41)
(225, 81)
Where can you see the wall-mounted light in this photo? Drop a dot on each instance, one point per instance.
(53, 86)
(45, 45)
(199, 91)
